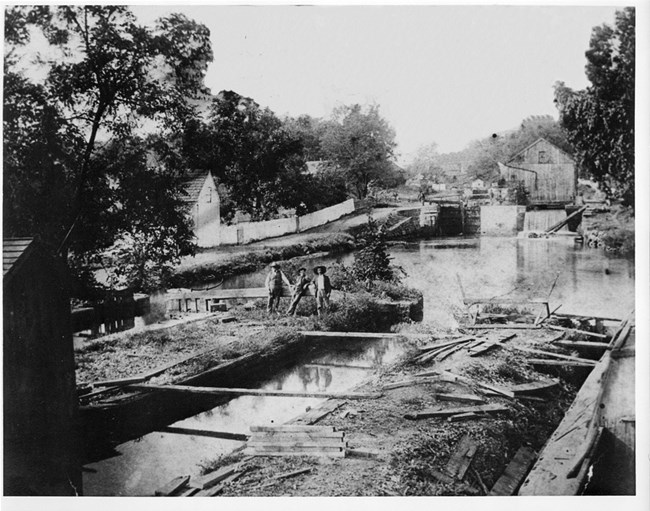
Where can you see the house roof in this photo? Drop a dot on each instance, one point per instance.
(540, 139)
(194, 184)
(13, 249)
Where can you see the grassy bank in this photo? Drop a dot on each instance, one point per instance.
(254, 332)
(239, 263)
(612, 230)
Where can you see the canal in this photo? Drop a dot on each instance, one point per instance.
(581, 280)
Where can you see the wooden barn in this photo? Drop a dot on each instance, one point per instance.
(202, 196)
(41, 454)
(548, 173)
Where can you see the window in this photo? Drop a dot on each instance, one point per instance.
(542, 157)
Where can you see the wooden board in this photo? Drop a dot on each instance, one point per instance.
(363, 335)
(507, 326)
(209, 480)
(297, 435)
(515, 472)
(554, 355)
(534, 387)
(293, 428)
(172, 486)
(446, 412)
(223, 391)
(464, 417)
(296, 452)
(565, 363)
(575, 331)
(463, 398)
(583, 345)
(316, 414)
(461, 458)
(324, 443)
(435, 346)
(202, 432)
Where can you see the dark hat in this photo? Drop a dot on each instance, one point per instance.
(302, 269)
(323, 267)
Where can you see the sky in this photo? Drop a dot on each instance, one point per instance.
(443, 74)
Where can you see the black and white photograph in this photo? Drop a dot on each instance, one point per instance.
(259, 252)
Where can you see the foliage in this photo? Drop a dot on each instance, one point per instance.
(251, 153)
(104, 75)
(481, 156)
(361, 143)
(600, 118)
(310, 131)
(371, 261)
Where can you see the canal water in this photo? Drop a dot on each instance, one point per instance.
(580, 280)
(143, 465)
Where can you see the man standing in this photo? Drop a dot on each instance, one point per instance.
(274, 281)
(299, 288)
(323, 289)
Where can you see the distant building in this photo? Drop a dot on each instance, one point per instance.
(548, 173)
(40, 426)
(478, 184)
(202, 196)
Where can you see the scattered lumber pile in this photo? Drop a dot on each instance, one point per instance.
(295, 440)
(449, 412)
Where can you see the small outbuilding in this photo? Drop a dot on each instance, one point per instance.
(203, 199)
(41, 434)
(548, 173)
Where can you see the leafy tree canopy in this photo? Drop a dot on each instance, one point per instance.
(361, 143)
(104, 76)
(600, 119)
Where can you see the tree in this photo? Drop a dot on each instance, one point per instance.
(253, 155)
(600, 118)
(361, 143)
(104, 75)
(372, 261)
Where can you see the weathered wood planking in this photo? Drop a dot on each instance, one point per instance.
(515, 472)
(363, 335)
(172, 486)
(461, 458)
(209, 480)
(554, 355)
(223, 391)
(463, 398)
(202, 432)
(294, 428)
(446, 412)
(533, 387)
(583, 345)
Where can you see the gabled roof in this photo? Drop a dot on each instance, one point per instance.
(13, 249)
(540, 139)
(194, 184)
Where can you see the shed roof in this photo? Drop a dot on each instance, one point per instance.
(540, 139)
(12, 251)
(194, 185)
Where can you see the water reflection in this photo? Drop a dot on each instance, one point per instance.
(144, 465)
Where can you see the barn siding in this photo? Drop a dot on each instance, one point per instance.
(554, 181)
(40, 404)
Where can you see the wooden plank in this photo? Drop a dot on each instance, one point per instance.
(515, 472)
(446, 412)
(211, 492)
(463, 398)
(554, 355)
(363, 335)
(464, 417)
(409, 383)
(297, 435)
(579, 316)
(287, 475)
(317, 413)
(506, 326)
(448, 352)
(483, 348)
(533, 387)
(174, 485)
(583, 345)
(209, 480)
(576, 331)
(494, 388)
(202, 432)
(461, 458)
(293, 428)
(298, 444)
(187, 492)
(331, 454)
(561, 224)
(222, 391)
(362, 453)
(549, 362)
(119, 381)
(435, 346)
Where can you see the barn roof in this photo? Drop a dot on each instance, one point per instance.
(194, 184)
(540, 139)
(13, 249)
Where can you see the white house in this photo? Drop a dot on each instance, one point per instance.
(201, 194)
(478, 184)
